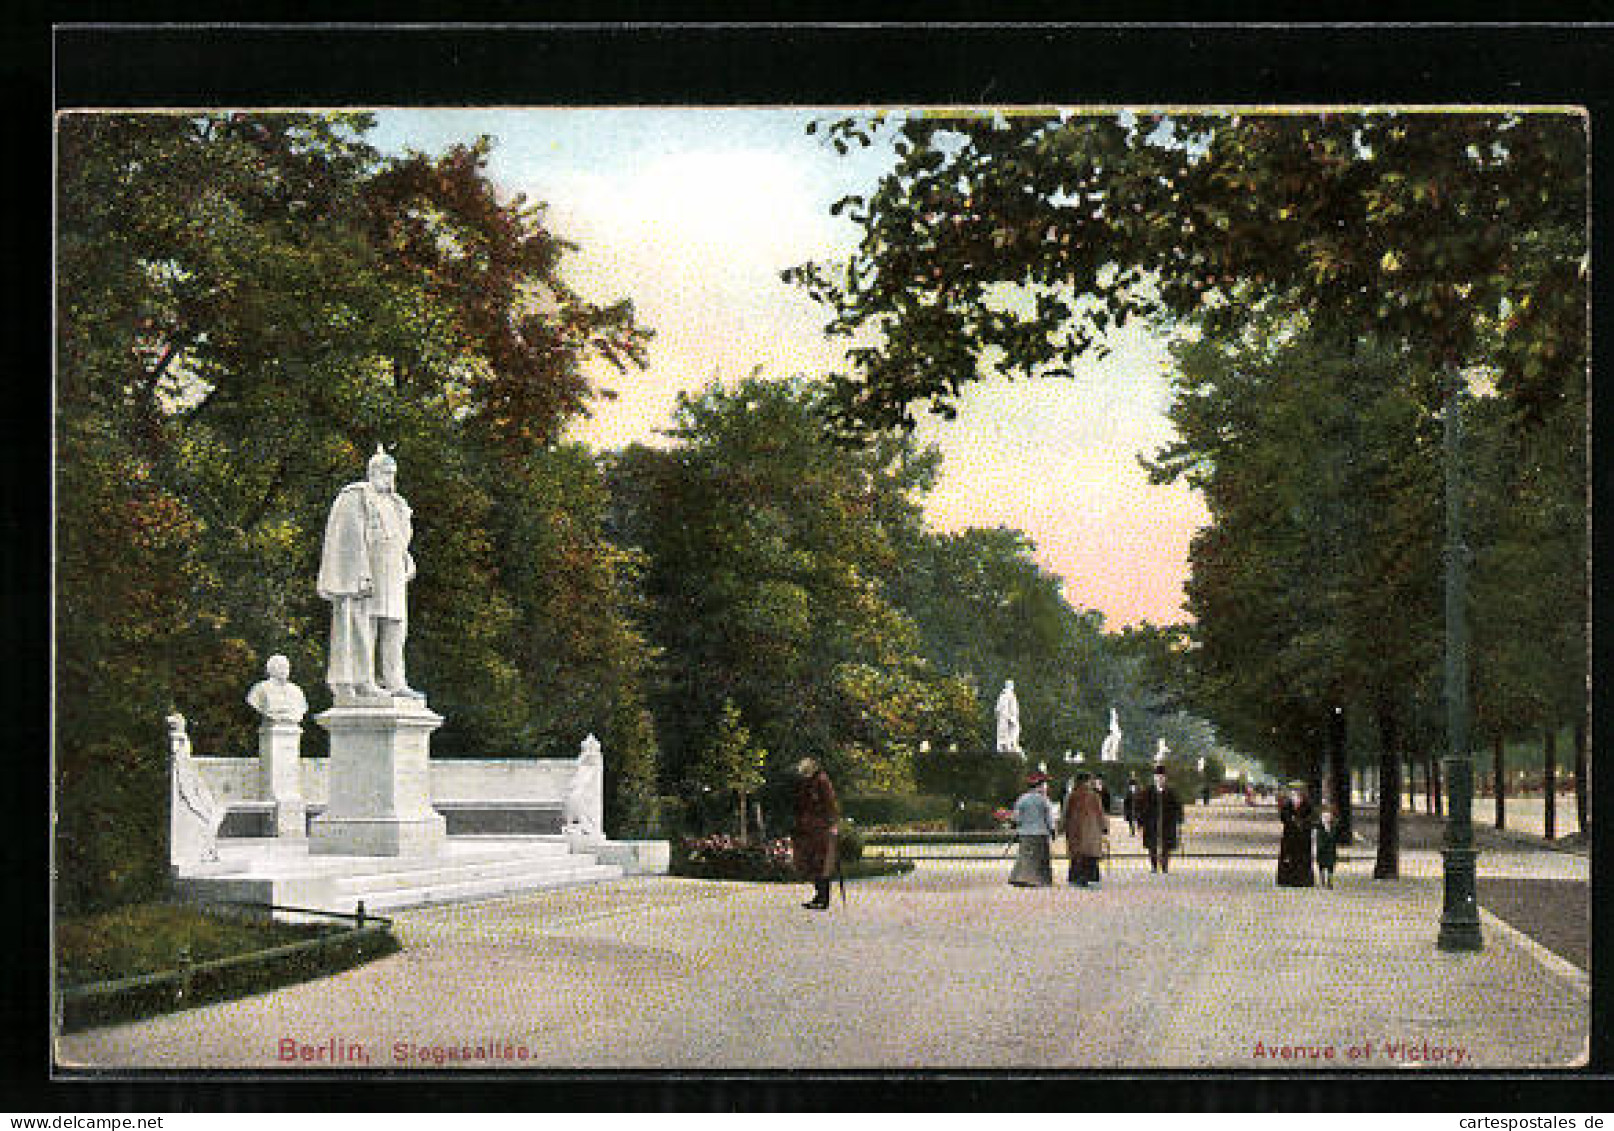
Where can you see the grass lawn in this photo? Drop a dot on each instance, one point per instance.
(145, 938)
(178, 956)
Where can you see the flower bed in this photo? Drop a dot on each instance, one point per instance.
(729, 858)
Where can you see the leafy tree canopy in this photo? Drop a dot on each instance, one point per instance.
(1014, 243)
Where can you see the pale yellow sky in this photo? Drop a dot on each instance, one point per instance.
(692, 214)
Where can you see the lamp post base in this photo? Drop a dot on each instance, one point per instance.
(1459, 919)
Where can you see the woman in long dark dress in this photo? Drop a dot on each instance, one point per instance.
(1294, 849)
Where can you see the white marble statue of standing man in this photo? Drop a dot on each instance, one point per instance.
(1111, 750)
(1008, 713)
(364, 573)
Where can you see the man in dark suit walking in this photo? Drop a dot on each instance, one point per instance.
(1159, 812)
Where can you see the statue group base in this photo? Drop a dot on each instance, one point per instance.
(380, 780)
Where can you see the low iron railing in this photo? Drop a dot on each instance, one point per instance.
(93, 1002)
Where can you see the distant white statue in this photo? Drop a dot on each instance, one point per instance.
(278, 699)
(365, 570)
(583, 811)
(194, 813)
(1160, 751)
(1111, 750)
(1008, 714)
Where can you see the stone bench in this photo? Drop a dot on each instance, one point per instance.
(470, 817)
(477, 817)
(248, 819)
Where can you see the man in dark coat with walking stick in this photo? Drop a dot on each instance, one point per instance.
(1159, 812)
(813, 841)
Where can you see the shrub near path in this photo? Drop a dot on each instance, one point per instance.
(723, 857)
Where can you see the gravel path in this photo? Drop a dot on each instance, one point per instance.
(948, 967)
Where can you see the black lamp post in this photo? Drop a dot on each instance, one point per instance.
(1459, 918)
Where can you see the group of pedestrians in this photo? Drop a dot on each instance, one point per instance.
(1156, 810)
(1300, 823)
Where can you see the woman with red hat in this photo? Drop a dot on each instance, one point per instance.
(1034, 820)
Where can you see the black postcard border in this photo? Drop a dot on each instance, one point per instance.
(98, 58)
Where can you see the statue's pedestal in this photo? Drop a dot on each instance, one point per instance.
(380, 783)
(280, 754)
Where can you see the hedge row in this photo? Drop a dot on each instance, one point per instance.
(898, 809)
(129, 999)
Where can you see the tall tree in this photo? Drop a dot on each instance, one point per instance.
(1530, 571)
(202, 263)
(764, 548)
(732, 763)
(577, 638)
(1312, 588)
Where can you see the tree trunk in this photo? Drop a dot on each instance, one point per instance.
(1342, 779)
(1549, 773)
(1388, 864)
(1316, 779)
(1499, 780)
(1582, 785)
(744, 827)
(1412, 783)
(1437, 791)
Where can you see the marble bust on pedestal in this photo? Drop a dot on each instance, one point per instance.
(282, 705)
(276, 698)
